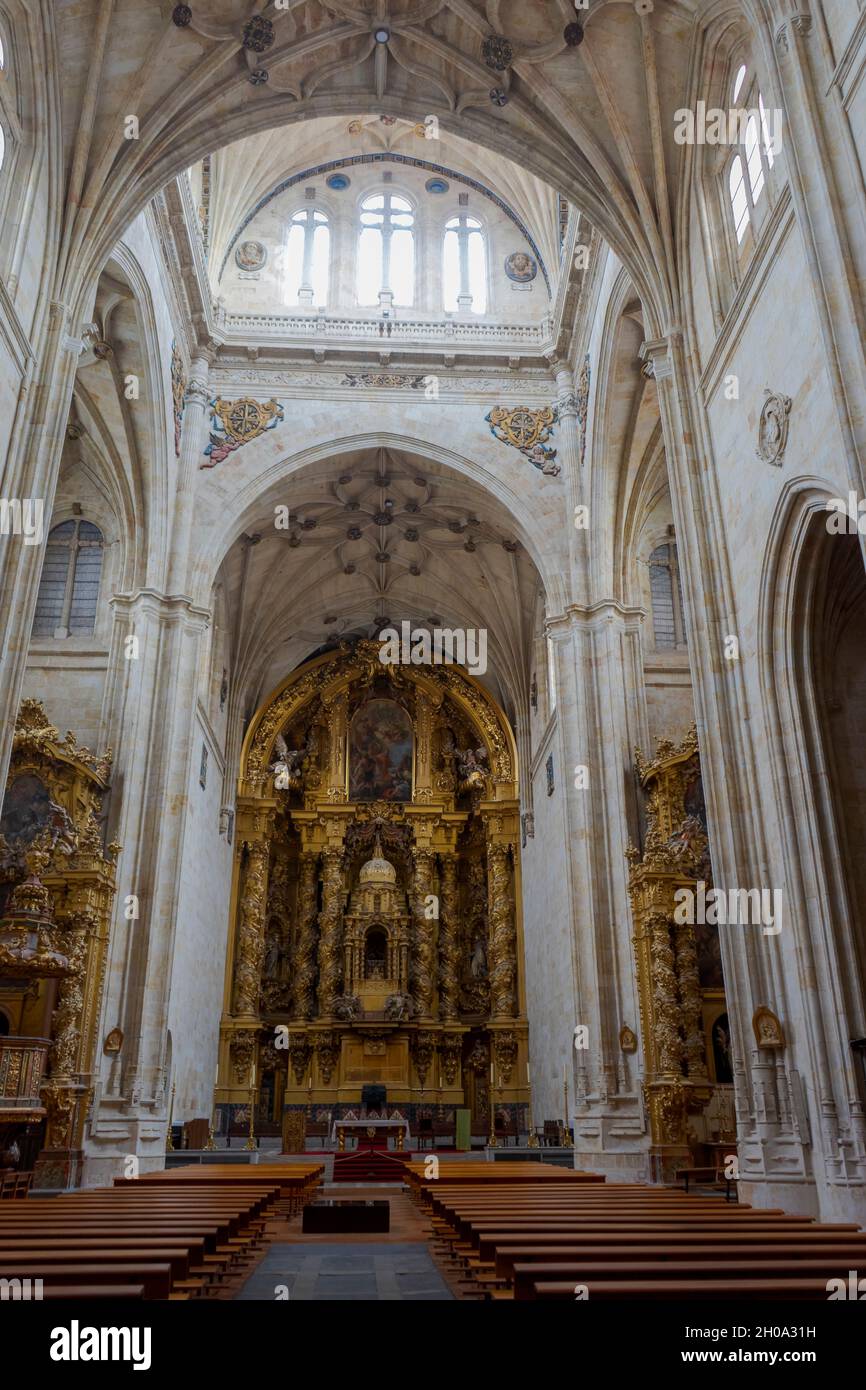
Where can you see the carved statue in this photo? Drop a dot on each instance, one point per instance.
(472, 769)
(273, 955)
(289, 766)
(478, 962)
(347, 1008)
(398, 1008)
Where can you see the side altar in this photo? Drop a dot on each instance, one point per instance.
(376, 934)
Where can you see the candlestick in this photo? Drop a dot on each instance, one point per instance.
(491, 1139)
(169, 1146)
(251, 1138)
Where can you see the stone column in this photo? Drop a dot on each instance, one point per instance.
(250, 940)
(192, 442)
(568, 445)
(503, 945)
(601, 717)
(149, 720)
(424, 952)
(330, 925)
(305, 953)
(449, 952)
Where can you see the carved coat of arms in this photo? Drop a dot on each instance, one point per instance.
(527, 430)
(235, 423)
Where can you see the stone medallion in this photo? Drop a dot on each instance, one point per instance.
(773, 428)
(250, 256)
(521, 267)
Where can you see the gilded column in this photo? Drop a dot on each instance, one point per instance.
(449, 951)
(424, 953)
(667, 1015)
(250, 944)
(503, 963)
(337, 709)
(330, 921)
(424, 748)
(305, 950)
(690, 996)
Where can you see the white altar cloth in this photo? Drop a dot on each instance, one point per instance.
(372, 1124)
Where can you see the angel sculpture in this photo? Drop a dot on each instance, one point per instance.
(398, 1008)
(472, 768)
(288, 767)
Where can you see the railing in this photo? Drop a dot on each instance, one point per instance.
(22, 1066)
(324, 326)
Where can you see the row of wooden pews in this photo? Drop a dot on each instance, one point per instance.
(538, 1238)
(155, 1237)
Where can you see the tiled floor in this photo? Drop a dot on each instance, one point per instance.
(371, 1272)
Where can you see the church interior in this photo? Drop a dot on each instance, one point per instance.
(431, 570)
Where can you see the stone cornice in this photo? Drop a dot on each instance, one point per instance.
(593, 615)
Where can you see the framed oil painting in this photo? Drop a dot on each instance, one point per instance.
(380, 752)
(26, 810)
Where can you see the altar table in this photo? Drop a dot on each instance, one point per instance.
(401, 1127)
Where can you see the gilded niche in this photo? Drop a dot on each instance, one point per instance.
(56, 901)
(680, 985)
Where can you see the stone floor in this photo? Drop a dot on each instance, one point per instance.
(333, 1271)
(388, 1267)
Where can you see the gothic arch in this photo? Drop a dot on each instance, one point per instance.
(812, 844)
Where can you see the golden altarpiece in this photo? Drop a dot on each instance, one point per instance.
(376, 934)
(56, 901)
(684, 1024)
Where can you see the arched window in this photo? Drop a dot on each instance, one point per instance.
(667, 599)
(749, 168)
(386, 251)
(739, 202)
(69, 587)
(464, 265)
(307, 257)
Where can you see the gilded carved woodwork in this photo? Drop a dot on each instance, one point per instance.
(330, 922)
(505, 1045)
(450, 1052)
(423, 1051)
(327, 1046)
(251, 929)
(392, 919)
(305, 954)
(503, 961)
(300, 1054)
(449, 943)
(60, 885)
(424, 931)
(242, 1051)
(675, 857)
